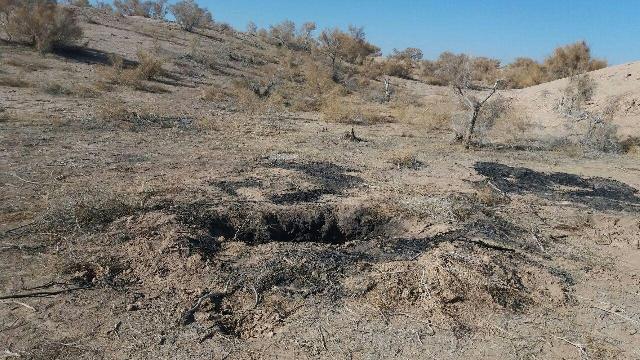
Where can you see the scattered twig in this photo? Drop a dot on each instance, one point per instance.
(322, 338)
(9, 353)
(187, 317)
(23, 304)
(352, 136)
(491, 245)
(41, 293)
(17, 227)
(25, 180)
(609, 311)
(582, 348)
(257, 297)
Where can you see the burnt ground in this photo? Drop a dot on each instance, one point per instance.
(594, 192)
(194, 259)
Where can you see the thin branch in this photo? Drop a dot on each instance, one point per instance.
(41, 293)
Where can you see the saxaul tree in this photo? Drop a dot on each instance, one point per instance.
(474, 104)
(457, 71)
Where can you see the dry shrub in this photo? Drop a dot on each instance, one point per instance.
(601, 135)
(245, 97)
(42, 24)
(513, 125)
(578, 92)
(495, 109)
(149, 67)
(397, 67)
(27, 64)
(189, 15)
(104, 7)
(112, 110)
(317, 85)
(76, 90)
(136, 117)
(13, 81)
(435, 115)
(86, 209)
(405, 159)
(211, 57)
(485, 70)
(350, 46)
(631, 145)
(571, 60)
(150, 9)
(341, 109)
(215, 94)
(524, 72)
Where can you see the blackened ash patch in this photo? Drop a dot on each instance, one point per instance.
(302, 196)
(231, 187)
(328, 178)
(595, 192)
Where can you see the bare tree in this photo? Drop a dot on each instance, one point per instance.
(474, 104)
(457, 71)
(387, 90)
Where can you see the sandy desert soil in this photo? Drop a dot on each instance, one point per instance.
(207, 232)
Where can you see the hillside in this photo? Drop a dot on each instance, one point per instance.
(617, 91)
(176, 195)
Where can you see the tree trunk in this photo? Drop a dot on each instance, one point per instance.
(472, 126)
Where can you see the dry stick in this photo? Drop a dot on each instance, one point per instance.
(23, 304)
(580, 347)
(41, 293)
(25, 180)
(609, 311)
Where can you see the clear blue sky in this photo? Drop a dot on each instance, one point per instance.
(502, 29)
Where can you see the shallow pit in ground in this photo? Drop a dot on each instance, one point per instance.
(301, 223)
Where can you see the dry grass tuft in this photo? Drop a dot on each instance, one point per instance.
(349, 110)
(149, 67)
(75, 90)
(405, 159)
(28, 65)
(14, 81)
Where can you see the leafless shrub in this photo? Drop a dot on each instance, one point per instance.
(104, 7)
(31, 64)
(150, 9)
(351, 47)
(408, 54)
(79, 3)
(189, 15)
(252, 28)
(513, 125)
(601, 135)
(42, 24)
(598, 132)
(576, 95)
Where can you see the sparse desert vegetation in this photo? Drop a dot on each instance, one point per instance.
(176, 188)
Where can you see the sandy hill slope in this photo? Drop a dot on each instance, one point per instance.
(617, 91)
